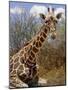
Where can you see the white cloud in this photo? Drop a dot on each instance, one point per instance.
(12, 10)
(60, 10)
(36, 9)
(16, 10)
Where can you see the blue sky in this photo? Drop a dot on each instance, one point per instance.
(28, 5)
(17, 7)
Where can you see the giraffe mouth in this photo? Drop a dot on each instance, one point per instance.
(53, 35)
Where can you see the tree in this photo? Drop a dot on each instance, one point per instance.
(21, 29)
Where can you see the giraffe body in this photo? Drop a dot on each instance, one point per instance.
(23, 67)
(27, 55)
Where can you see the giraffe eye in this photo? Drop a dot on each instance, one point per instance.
(55, 21)
(46, 21)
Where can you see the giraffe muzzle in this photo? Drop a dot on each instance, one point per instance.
(53, 35)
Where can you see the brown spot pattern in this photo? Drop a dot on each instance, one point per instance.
(31, 61)
(21, 53)
(30, 64)
(37, 44)
(10, 61)
(45, 30)
(13, 73)
(22, 60)
(10, 67)
(34, 42)
(37, 37)
(35, 49)
(16, 59)
(44, 35)
(16, 65)
(20, 67)
(30, 58)
(40, 44)
(32, 54)
(41, 39)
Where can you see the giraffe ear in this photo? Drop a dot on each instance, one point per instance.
(58, 16)
(42, 16)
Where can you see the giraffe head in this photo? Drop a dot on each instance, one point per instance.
(51, 20)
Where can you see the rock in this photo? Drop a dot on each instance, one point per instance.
(42, 82)
(22, 85)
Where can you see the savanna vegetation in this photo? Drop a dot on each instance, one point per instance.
(51, 59)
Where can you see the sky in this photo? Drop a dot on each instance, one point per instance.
(29, 5)
(16, 7)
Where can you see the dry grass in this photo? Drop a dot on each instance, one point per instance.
(54, 76)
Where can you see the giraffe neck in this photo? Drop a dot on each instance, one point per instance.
(37, 44)
(40, 38)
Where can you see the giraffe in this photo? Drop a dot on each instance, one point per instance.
(23, 66)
